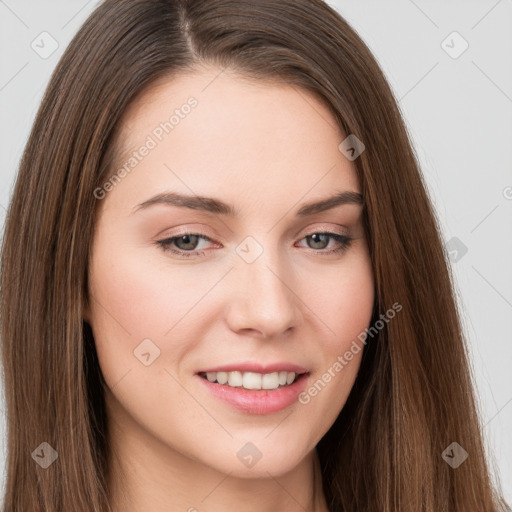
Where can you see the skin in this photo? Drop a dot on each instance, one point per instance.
(266, 149)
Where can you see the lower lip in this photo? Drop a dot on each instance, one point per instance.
(257, 401)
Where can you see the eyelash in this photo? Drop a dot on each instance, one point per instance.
(343, 240)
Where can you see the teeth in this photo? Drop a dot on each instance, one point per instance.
(252, 380)
(235, 379)
(270, 380)
(222, 377)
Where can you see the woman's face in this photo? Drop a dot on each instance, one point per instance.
(257, 285)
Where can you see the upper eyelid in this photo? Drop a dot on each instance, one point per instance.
(317, 227)
(212, 240)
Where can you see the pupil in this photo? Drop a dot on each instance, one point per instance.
(186, 240)
(315, 239)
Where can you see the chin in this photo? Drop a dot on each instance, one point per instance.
(257, 459)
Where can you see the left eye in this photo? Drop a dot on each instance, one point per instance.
(187, 243)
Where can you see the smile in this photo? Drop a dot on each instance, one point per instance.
(255, 393)
(252, 380)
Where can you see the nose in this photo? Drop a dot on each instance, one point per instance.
(263, 300)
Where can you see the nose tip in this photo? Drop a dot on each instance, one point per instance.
(265, 304)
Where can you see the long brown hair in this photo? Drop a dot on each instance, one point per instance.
(414, 393)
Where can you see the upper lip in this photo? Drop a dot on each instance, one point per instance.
(251, 366)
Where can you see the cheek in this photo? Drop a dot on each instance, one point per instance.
(139, 297)
(141, 331)
(344, 302)
(132, 303)
(345, 305)
(354, 305)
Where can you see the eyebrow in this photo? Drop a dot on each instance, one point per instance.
(216, 206)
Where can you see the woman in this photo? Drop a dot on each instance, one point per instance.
(223, 284)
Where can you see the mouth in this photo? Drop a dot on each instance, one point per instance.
(253, 380)
(255, 393)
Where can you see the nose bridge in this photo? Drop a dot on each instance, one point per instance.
(264, 299)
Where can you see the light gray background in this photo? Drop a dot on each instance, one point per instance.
(458, 111)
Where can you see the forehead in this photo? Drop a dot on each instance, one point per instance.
(240, 133)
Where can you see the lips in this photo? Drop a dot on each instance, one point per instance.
(256, 400)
